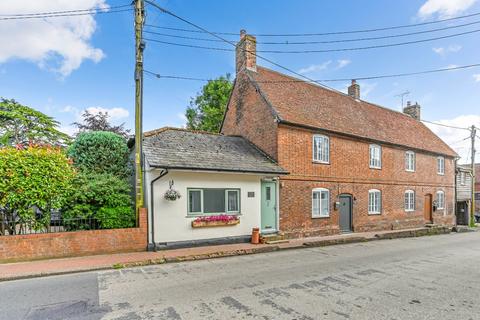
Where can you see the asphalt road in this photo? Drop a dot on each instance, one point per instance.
(419, 278)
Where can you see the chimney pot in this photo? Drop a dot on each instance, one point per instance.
(354, 90)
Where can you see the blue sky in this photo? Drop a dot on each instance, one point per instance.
(63, 66)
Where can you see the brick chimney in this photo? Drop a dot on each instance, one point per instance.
(412, 110)
(245, 52)
(354, 90)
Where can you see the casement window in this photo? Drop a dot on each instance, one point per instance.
(462, 178)
(477, 196)
(321, 149)
(440, 200)
(410, 161)
(213, 201)
(440, 165)
(375, 156)
(409, 200)
(374, 201)
(320, 203)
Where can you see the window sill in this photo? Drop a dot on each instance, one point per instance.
(409, 211)
(320, 162)
(376, 168)
(211, 214)
(374, 213)
(409, 170)
(322, 217)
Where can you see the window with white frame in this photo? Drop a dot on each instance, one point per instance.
(321, 149)
(320, 203)
(462, 178)
(410, 161)
(374, 201)
(213, 201)
(409, 200)
(375, 156)
(440, 200)
(440, 165)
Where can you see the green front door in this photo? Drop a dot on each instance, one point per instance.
(269, 206)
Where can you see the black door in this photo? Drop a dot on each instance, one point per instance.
(345, 213)
(462, 213)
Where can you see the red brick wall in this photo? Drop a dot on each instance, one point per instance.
(77, 243)
(249, 116)
(349, 172)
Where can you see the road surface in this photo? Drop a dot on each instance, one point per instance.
(434, 277)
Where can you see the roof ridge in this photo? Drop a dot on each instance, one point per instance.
(163, 129)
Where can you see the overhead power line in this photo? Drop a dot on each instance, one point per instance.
(65, 11)
(150, 2)
(71, 14)
(161, 76)
(286, 42)
(446, 125)
(320, 50)
(323, 33)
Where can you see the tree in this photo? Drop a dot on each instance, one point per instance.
(21, 125)
(99, 122)
(207, 108)
(101, 152)
(34, 181)
(104, 197)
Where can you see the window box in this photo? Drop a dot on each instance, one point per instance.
(215, 221)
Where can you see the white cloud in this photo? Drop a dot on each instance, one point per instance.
(59, 44)
(315, 67)
(477, 77)
(445, 50)
(114, 113)
(343, 63)
(444, 8)
(455, 138)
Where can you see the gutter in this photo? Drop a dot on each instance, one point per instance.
(219, 170)
(152, 206)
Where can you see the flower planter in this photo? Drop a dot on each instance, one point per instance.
(209, 224)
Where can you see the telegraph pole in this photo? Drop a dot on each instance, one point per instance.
(139, 46)
(473, 133)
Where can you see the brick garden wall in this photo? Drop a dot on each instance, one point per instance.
(77, 243)
(349, 173)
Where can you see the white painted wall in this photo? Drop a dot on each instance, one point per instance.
(171, 221)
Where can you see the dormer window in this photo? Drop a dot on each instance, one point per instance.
(375, 156)
(441, 165)
(321, 149)
(410, 161)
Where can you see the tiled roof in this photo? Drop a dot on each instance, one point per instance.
(306, 104)
(174, 148)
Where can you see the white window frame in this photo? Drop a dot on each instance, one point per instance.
(226, 201)
(372, 208)
(320, 214)
(319, 156)
(442, 206)
(202, 213)
(372, 156)
(409, 199)
(410, 160)
(441, 165)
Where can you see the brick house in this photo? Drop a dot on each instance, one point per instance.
(354, 165)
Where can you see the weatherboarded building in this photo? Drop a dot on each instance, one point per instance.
(353, 165)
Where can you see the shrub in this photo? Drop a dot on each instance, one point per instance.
(101, 152)
(103, 199)
(33, 182)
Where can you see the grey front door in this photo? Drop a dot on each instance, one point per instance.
(345, 219)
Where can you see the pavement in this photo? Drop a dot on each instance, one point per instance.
(415, 278)
(38, 268)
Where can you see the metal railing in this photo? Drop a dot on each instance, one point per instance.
(8, 228)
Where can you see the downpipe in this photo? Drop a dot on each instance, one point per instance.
(152, 206)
